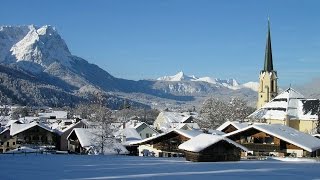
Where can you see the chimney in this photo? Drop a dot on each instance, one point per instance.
(123, 138)
(134, 123)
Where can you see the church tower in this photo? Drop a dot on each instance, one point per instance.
(268, 86)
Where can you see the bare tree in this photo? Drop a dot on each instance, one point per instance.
(103, 121)
(318, 122)
(19, 113)
(214, 112)
(100, 118)
(4, 110)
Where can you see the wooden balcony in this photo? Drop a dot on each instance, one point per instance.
(262, 147)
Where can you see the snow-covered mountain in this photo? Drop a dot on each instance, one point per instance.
(251, 85)
(228, 83)
(31, 44)
(180, 76)
(41, 60)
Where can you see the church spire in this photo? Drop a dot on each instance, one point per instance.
(268, 64)
(268, 86)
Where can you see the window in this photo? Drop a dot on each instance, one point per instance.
(147, 135)
(1, 143)
(13, 143)
(7, 143)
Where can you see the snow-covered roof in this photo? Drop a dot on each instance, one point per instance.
(136, 124)
(59, 127)
(28, 119)
(168, 120)
(57, 114)
(10, 122)
(186, 133)
(23, 149)
(215, 132)
(2, 129)
(131, 134)
(18, 128)
(4, 120)
(84, 136)
(88, 138)
(181, 125)
(316, 135)
(176, 117)
(289, 104)
(202, 141)
(236, 124)
(285, 133)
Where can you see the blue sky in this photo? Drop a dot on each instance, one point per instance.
(146, 39)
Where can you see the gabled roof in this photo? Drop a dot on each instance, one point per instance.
(131, 134)
(186, 133)
(147, 125)
(88, 138)
(175, 117)
(236, 124)
(289, 103)
(18, 128)
(10, 122)
(57, 114)
(285, 133)
(84, 136)
(73, 125)
(202, 141)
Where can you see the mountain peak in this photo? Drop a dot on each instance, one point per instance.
(229, 83)
(46, 30)
(33, 45)
(180, 76)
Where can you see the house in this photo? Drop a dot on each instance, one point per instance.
(16, 134)
(211, 148)
(142, 128)
(290, 108)
(86, 141)
(64, 133)
(6, 142)
(33, 133)
(127, 136)
(276, 139)
(167, 121)
(165, 144)
(53, 115)
(230, 126)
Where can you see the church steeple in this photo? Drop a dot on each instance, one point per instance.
(268, 64)
(268, 86)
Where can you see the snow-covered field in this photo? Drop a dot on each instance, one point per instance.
(77, 167)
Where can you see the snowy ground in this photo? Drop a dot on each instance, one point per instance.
(76, 167)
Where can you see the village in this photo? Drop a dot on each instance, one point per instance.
(288, 129)
(285, 124)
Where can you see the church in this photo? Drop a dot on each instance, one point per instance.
(289, 107)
